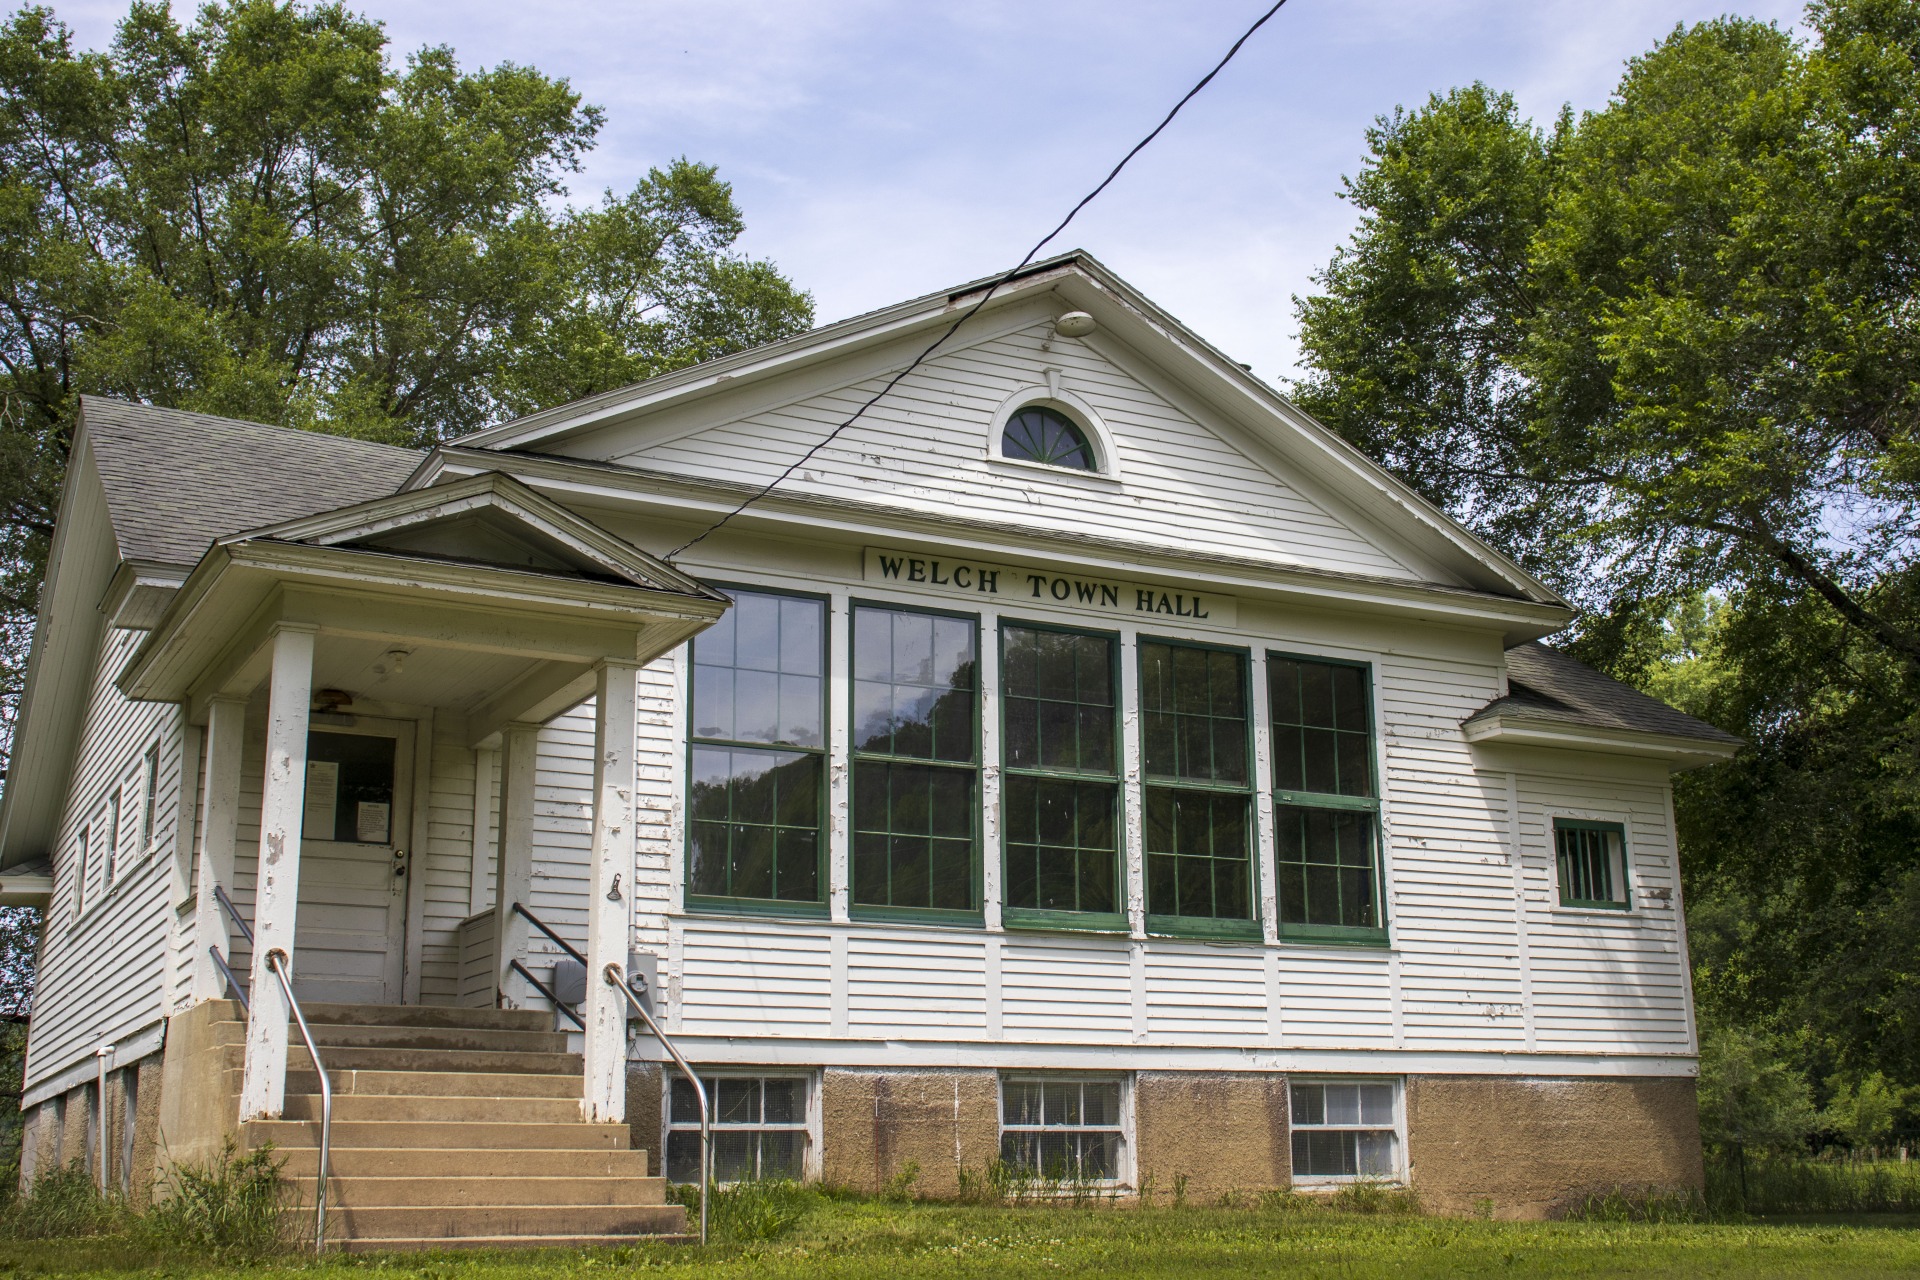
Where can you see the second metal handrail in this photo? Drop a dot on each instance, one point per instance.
(233, 983)
(277, 962)
(552, 937)
(612, 972)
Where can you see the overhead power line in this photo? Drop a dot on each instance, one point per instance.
(991, 289)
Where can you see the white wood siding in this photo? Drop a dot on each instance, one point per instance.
(924, 448)
(103, 973)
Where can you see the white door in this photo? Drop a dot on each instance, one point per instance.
(350, 935)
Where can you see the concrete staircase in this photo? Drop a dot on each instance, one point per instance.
(455, 1128)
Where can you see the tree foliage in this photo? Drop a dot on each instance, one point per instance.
(258, 214)
(1666, 353)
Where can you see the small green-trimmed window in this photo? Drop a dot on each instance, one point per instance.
(758, 753)
(1326, 807)
(916, 760)
(1060, 799)
(1194, 738)
(1592, 861)
(1040, 434)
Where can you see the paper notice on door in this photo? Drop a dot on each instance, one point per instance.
(323, 799)
(372, 822)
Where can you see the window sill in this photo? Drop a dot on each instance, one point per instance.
(930, 916)
(1303, 936)
(1023, 469)
(1203, 929)
(1028, 919)
(757, 907)
(1333, 1182)
(1603, 910)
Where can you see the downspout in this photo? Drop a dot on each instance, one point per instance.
(103, 1056)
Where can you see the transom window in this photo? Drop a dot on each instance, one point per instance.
(759, 1126)
(1060, 799)
(1345, 1130)
(1039, 434)
(1326, 810)
(916, 766)
(758, 752)
(1592, 862)
(1199, 846)
(1062, 1129)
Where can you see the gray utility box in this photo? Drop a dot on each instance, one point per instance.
(569, 981)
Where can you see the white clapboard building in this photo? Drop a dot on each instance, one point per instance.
(1085, 771)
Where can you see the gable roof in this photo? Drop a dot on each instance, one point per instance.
(1549, 688)
(239, 475)
(1077, 282)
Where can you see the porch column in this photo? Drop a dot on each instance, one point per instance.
(513, 876)
(610, 891)
(277, 888)
(220, 819)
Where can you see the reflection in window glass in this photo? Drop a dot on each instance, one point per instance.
(758, 758)
(1194, 709)
(1326, 812)
(1326, 866)
(1058, 717)
(1199, 842)
(1322, 728)
(759, 1127)
(1061, 1129)
(1345, 1131)
(915, 772)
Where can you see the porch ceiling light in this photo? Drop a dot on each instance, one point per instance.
(391, 662)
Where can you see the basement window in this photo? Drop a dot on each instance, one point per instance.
(759, 1123)
(1064, 1129)
(1346, 1131)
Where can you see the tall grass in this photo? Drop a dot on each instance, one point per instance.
(233, 1207)
(1839, 1185)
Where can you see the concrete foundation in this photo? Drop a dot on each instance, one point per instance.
(874, 1124)
(1209, 1134)
(1527, 1148)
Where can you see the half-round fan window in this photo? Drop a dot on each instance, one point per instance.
(1040, 434)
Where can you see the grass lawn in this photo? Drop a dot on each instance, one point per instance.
(876, 1241)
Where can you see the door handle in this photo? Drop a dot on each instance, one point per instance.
(399, 863)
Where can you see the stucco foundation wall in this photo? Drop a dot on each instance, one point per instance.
(1210, 1133)
(1528, 1147)
(66, 1128)
(873, 1123)
(643, 1114)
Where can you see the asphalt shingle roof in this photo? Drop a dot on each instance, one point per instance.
(176, 481)
(1547, 685)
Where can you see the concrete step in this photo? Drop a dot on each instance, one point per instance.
(340, 1058)
(435, 1084)
(301, 1163)
(288, 1134)
(456, 1110)
(427, 1015)
(355, 1191)
(422, 1244)
(366, 1226)
(386, 1037)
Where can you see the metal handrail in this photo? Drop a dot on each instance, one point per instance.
(220, 896)
(552, 937)
(233, 983)
(612, 973)
(277, 962)
(546, 991)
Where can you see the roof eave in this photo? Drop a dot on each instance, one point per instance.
(1677, 751)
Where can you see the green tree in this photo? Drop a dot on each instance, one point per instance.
(258, 214)
(1751, 1097)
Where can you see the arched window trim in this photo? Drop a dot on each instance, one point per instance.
(1106, 460)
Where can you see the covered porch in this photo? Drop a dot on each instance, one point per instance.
(345, 672)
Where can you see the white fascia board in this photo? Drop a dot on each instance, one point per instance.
(783, 1051)
(25, 891)
(851, 522)
(1680, 753)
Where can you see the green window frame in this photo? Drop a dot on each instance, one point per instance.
(1326, 801)
(1060, 804)
(915, 746)
(757, 756)
(1591, 864)
(1196, 753)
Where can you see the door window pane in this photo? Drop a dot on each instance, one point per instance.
(349, 788)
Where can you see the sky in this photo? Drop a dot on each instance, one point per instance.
(881, 149)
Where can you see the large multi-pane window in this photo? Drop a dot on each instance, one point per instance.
(1326, 807)
(1345, 1130)
(1591, 858)
(1199, 840)
(1060, 794)
(758, 765)
(758, 1123)
(916, 759)
(1062, 1129)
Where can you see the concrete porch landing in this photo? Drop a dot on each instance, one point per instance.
(453, 1128)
